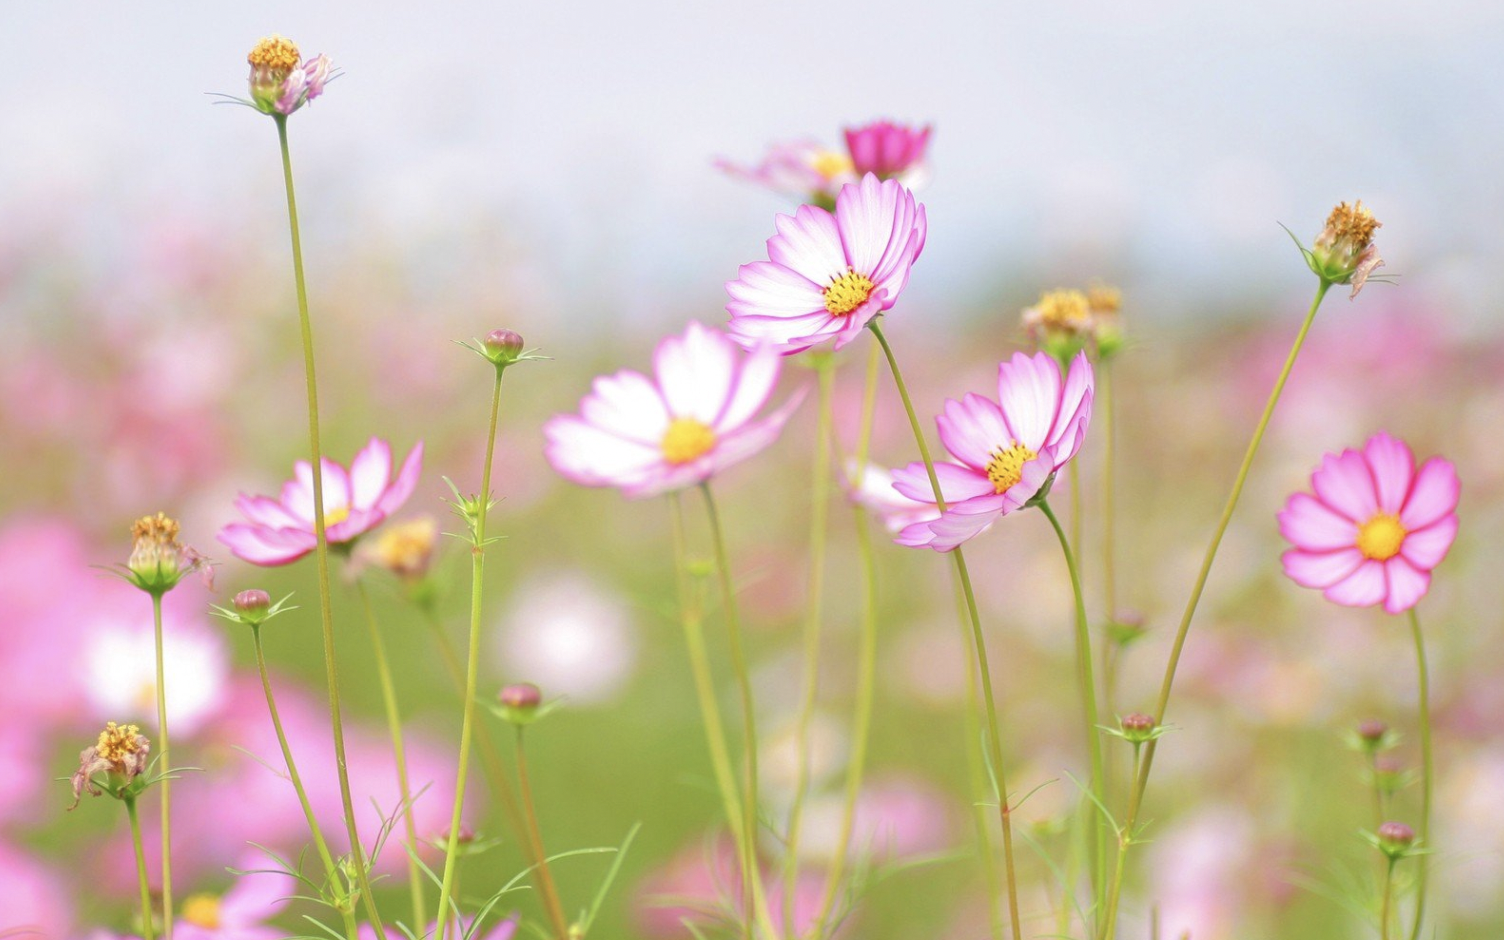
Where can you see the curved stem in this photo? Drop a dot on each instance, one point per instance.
(399, 750)
(148, 924)
(1428, 771)
(331, 872)
(535, 835)
(321, 547)
(751, 873)
(819, 517)
(1088, 688)
(165, 766)
(472, 672)
(1005, 811)
(1141, 781)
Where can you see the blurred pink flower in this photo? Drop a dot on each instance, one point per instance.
(240, 913)
(872, 489)
(803, 169)
(1375, 527)
(702, 884)
(889, 150)
(281, 531)
(33, 899)
(1008, 450)
(829, 274)
(120, 666)
(571, 636)
(649, 437)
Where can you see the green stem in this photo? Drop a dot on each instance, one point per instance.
(331, 871)
(1005, 811)
(165, 765)
(1106, 409)
(1074, 474)
(321, 549)
(1428, 771)
(1088, 687)
(692, 620)
(535, 835)
(1141, 781)
(148, 924)
(819, 517)
(472, 673)
(1388, 901)
(751, 872)
(399, 751)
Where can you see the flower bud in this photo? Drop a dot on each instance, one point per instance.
(1395, 839)
(1372, 730)
(502, 347)
(1137, 727)
(252, 605)
(521, 695)
(1389, 775)
(157, 561)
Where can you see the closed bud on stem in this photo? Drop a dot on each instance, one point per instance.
(521, 703)
(505, 344)
(1395, 839)
(1137, 727)
(252, 603)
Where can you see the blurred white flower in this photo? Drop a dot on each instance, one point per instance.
(120, 667)
(566, 634)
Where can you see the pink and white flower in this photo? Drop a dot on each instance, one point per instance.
(803, 169)
(871, 487)
(891, 151)
(280, 531)
(240, 913)
(1374, 528)
(1007, 451)
(693, 419)
(829, 274)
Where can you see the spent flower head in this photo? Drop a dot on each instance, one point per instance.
(1060, 322)
(114, 765)
(280, 83)
(158, 561)
(1105, 303)
(406, 549)
(1344, 252)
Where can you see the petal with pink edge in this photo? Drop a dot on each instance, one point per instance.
(591, 456)
(1075, 406)
(695, 370)
(1433, 495)
(966, 520)
(1425, 548)
(1407, 585)
(972, 429)
(769, 289)
(262, 546)
(1320, 569)
(866, 214)
(369, 473)
(402, 487)
(1309, 524)
(1365, 587)
(809, 243)
(628, 405)
(1028, 389)
(1345, 484)
(755, 378)
(1393, 467)
(957, 482)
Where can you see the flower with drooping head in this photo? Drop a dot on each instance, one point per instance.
(828, 274)
(158, 562)
(120, 754)
(280, 531)
(240, 913)
(891, 151)
(1007, 451)
(695, 418)
(802, 169)
(1375, 526)
(279, 82)
(1344, 252)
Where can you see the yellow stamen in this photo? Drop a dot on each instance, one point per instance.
(1064, 310)
(1007, 466)
(333, 517)
(117, 741)
(1380, 538)
(847, 292)
(202, 910)
(275, 53)
(1353, 224)
(830, 164)
(407, 548)
(1103, 298)
(686, 439)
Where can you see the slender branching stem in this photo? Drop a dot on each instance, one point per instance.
(1427, 771)
(148, 923)
(535, 835)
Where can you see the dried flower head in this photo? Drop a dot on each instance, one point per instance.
(280, 82)
(158, 561)
(1344, 252)
(120, 753)
(1060, 322)
(1104, 302)
(406, 549)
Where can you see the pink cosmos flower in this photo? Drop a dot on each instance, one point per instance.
(803, 169)
(829, 274)
(1375, 527)
(240, 913)
(680, 428)
(892, 151)
(1007, 450)
(281, 531)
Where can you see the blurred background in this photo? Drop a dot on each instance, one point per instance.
(549, 169)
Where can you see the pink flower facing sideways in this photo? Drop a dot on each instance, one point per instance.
(891, 151)
(280, 531)
(694, 418)
(828, 274)
(1006, 451)
(1374, 528)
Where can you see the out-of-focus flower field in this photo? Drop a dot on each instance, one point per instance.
(162, 374)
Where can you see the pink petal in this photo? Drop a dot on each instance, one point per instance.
(1425, 548)
(262, 546)
(1308, 524)
(957, 483)
(754, 382)
(972, 429)
(256, 896)
(369, 473)
(753, 437)
(1365, 587)
(1433, 495)
(1074, 412)
(787, 335)
(356, 524)
(267, 512)
(402, 487)
(629, 405)
(966, 520)
(809, 243)
(1407, 585)
(767, 289)
(1320, 570)
(694, 371)
(592, 456)
(1031, 479)
(1028, 389)
(1345, 484)
(1393, 467)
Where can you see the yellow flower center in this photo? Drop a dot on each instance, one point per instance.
(202, 910)
(1380, 538)
(831, 164)
(117, 741)
(686, 439)
(1064, 310)
(1354, 224)
(1007, 466)
(274, 53)
(847, 292)
(407, 548)
(333, 517)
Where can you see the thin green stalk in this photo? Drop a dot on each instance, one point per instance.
(1088, 684)
(692, 620)
(1388, 902)
(1428, 771)
(535, 834)
(321, 549)
(1074, 473)
(165, 764)
(751, 872)
(1005, 811)
(813, 621)
(148, 925)
(472, 673)
(331, 871)
(1141, 781)
(1106, 412)
(415, 876)
(1378, 790)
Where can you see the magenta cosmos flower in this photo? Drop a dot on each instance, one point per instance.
(829, 274)
(694, 418)
(279, 531)
(1006, 451)
(1375, 526)
(889, 150)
